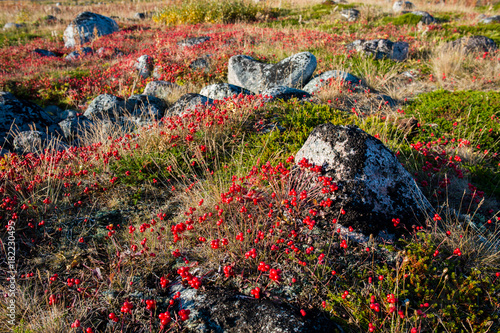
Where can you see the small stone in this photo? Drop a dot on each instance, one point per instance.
(491, 19)
(140, 16)
(144, 65)
(351, 15)
(193, 41)
(326, 78)
(399, 6)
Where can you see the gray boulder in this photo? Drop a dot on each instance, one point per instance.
(160, 89)
(381, 48)
(373, 186)
(144, 107)
(202, 63)
(12, 25)
(30, 142)
(293, 72)
(74, 127)
(75, 55)
(350, 15)
(426, 17)
(57, 113)
(193, 41)
(106, 106)
(140, 16)
(284, 93)
(82, 29)
(144, 65)
(220, 91)
(189, 103)
(44, 53)
(399, 6)
(474, 44)
(491, 19)
(326, 78)
(19, 115)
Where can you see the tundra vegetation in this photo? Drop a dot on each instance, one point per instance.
(213, 199)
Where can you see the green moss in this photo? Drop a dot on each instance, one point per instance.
(405, 19)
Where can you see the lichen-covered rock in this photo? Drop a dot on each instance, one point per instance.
(373, 186)
(193, 41)
(82, 29)
(350, 15)
(44, 53)
(74, 127)
(399, 6)
(284, 93)
(219, 310)
(426, 17)
(293, 72)
(12, 25)
(142, 107)
(202, 63)
(474, 44)
(189, 103)
(491, 19)
(144, 65)
(326, 78)
(220, 91)
(20, 115)
(75, 55)
(381, 48)
(160, 89)
(106, 106)
(35, 142)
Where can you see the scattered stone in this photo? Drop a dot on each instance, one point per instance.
(160, 89)
(474, 44)
(491, 19)
(219, 310)
(75, 55)
(108, 52)
(44, 53)
(144, 107)
(140, 16)
(201, 63)
(144, 65)
(326, 78)
(293, 72)
(188, 103)
(74, 126)
(373, 186)
(53, 10)
(386, 100)
(426, 17)
(105, 106)
(351, 15)
(192, 41)
(221, 91)
(381, 48)
(11, 25)
(20, 115)
(284, 93)
(399, 6)
(29, 142)
(82, 29)
(50, 19)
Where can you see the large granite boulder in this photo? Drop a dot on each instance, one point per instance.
(220, 91)
(373, 186)
(83, 27)
(474, 44)
(293, 72)
(327, 78)
(106, 106)
(381, 48)
(18, 116)
(189, 103)
(160, 89)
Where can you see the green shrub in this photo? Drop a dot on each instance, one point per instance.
(210, 11)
